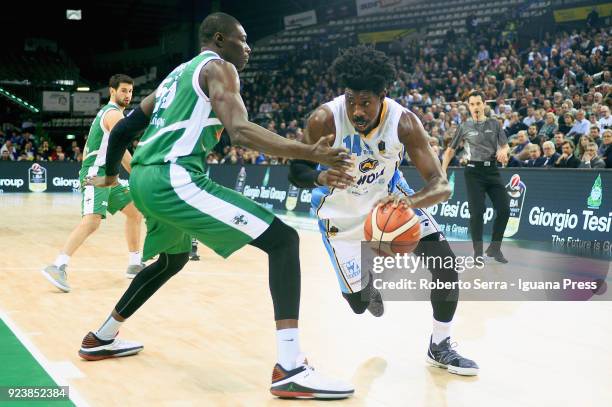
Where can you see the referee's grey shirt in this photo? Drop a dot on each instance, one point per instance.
(481, 139)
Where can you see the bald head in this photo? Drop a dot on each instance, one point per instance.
(216, 23)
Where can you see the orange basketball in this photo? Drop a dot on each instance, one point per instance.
(398, 230)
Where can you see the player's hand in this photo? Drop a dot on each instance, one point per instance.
(395, 201)
(335, 179)
(102, 182)
(335, 158)
(501, 156)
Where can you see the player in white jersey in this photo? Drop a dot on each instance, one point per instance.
(377, 131)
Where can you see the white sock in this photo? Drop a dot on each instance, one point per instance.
(109, 329)
(61, 260)
(441, 331)
(288, 346)
(135, 258)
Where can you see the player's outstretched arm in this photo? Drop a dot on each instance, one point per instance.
(303, 173)
(219, 80)
(415, 139)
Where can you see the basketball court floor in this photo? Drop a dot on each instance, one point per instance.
(209, 335)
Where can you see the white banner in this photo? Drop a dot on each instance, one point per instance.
(365, 7)
(86, 102)
(56, 101)
(300, 20)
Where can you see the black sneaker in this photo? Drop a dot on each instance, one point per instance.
(376, 305)
(444, 356)
(497, 255)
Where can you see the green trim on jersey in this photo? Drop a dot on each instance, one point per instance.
(94, 154)
(183, 126)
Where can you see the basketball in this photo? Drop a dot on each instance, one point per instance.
(397, 229)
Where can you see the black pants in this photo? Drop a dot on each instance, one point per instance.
(478, 181)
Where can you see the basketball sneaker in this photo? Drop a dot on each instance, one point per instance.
(444, 356)
(304, 383)
(94, 348)
(376, 305)
(134, 269)
(57, 276)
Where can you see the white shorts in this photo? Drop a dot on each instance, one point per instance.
(342, 239)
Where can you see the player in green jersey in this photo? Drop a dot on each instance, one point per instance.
(96, 201)
(184, 119)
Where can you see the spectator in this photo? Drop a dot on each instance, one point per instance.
(606, 148)
(520, 143)
(594, 135)
(590, 158)
(567, 159)
(535, 160)
(55, 154)
(581, 126)
(5, 155)
(568, 123)
(532, 134)
(10, 149)
(515, 125)
(550, 155)
(549, 128)
(530, 118)
(581, 147)
(559, 140)
(44, 153)
(605, 122)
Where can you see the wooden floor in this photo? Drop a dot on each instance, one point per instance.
(209, 335)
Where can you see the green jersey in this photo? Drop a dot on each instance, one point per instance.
(183, 126)
(94, 155)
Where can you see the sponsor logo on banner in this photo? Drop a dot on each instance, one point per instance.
(240, 180)
(365, 7)
(66, 182)
(37, 178)
(596, 195)
(516, 192)
(300, 20)
(292, 197)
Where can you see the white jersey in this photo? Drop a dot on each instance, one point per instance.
(377, 155)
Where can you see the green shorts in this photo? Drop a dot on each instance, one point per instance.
(179, 204)
(100, 200)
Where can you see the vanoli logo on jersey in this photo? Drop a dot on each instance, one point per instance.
(368, 165)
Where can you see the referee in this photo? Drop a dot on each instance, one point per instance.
(485, 143)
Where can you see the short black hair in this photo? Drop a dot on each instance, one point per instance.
(216, 23)
(118, 79)
(476, 93)
(363, 68)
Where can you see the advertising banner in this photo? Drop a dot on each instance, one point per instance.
(85, 102)
(366, 7)
(56, 101)
(300, 20)
(566, 207)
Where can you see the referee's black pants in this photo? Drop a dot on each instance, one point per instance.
(480, 180)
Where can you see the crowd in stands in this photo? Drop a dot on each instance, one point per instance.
(19, 144)
(552, 98)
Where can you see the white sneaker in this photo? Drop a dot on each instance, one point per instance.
(57, 276)
(134, 269)
(94, 348)
(304, 383)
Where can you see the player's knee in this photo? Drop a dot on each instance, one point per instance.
(358, 301)
(176, 262)
(91, 223)
(291, 238)
(503, 211)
